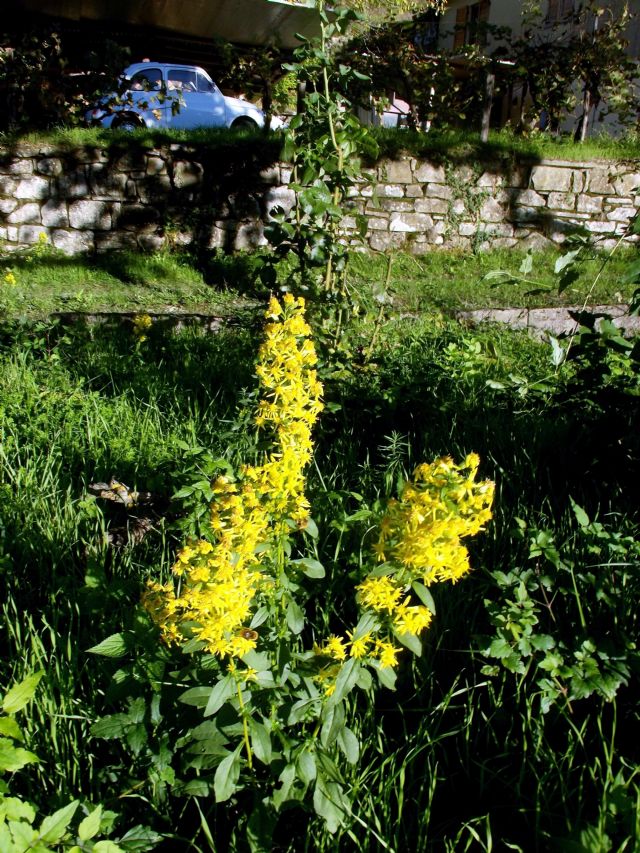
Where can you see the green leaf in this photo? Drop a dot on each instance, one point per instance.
(110, 727)
(10, 728)
(14, 758)
(21, 694)
(311, 529)
(197, 696)
(223, 690)
(295, 617)
(260, 741)
(227, 774)
(328, 802)
(260, 827)
(306, 767)
(424, 595)
(581, 516)
(13, 808)
(411, 642)
(387, 677)
(90, 825)
(345, 682)
(350, 745)
(114, 646)
(333, 723)
(54, 827)
(107, 846)
(311, 568)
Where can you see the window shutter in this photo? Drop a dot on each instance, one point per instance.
(485, 11)
(459, 36)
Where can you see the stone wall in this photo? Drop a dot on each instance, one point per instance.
(95, 200)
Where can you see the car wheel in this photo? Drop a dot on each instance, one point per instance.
(244, 124)
(127, 123)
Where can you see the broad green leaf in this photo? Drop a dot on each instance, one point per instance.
(424, 595)
(136, 737)
(90, 825)
(328, 804)
(21, 694)
(581, 516)
(227, 775)
(346, 681)
(306, 766)
(12, 808)
(295, 617)
(411, 642)
(311, 528)
(311, 568)
(114, 646)
(10, 728)
(139, 838)
(54, 827)
(110, 727)
(387, 677)
(107, 846)
(197, 696)
(333, 723)
(14, 758)
(223, 690)
(349, 744)
(260, 741)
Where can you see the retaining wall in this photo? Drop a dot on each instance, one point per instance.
(96, 200)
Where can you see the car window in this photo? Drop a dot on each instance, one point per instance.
(182, 80)
(204, 84)
(148, 80)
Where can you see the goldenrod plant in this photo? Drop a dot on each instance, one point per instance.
(275, 704)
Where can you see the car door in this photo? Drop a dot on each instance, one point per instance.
(197, 101)
(146, 96)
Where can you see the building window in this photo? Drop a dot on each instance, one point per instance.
(559, 10)
(471, 23)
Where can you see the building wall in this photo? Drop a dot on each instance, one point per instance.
(91, 200)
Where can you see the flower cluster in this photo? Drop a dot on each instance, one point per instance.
(218, 581)
(10, 279)
(141, 325)
(419, 541)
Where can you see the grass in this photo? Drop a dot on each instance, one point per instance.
(451, 144)
(455, 758)
(48, 282)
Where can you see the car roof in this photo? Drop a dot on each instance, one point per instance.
(141, 66)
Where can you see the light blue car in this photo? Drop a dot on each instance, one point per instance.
(159, 94)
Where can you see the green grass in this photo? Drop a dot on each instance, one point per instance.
(452, 144)
(48, 282)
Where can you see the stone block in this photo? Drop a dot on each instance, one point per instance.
(7, 185)
(154, 188)
(529, 198)
(599, 181)
(106, 182)
(377, 224)
(600, 227)
(410, 222)
(250, 235)
(85, 215)
(395, 205)
(537, 242)
(562, 201)
(3, 234)
(503, 243)
(438, 191)
(156, 166)
(51, 166)
(391, 191)
(492, 180)
(72, 185)
(20, 167)
(32, 187)
(137, 216)
(54, 214)
(498, 229)
(278, 197)
(467, 229)
(518, 177)
(115, 241)
(491, 211)
(429, 173)
(381, 241)
(73, 242)
(7, 205)
(551, 178)
(527, 214)
(270, 176)
(458, 207)
(625, 184)
(26, 213)
(396, 172)
(589, 204)
(621, 214)
(414, 191)
(151, 242)
(285, 174)
(431, 205)
(187, 174)
(31, 233)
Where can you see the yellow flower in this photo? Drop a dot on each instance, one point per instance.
(386, 653)
(10, 279)
(359, 647)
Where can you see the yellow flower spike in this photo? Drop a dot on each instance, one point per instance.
(359, 647)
